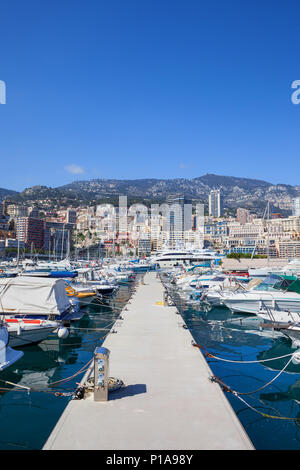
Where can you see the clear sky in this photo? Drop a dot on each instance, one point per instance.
(148, 89)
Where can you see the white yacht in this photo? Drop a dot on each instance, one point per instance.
(171, 258)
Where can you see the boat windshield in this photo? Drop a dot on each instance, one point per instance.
(219, 278)
(283, 283)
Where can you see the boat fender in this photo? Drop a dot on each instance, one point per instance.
(296, 357)
(62, 332)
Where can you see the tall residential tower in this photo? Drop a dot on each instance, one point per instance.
(215, 203)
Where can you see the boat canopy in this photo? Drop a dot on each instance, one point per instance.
(290, 283)
(33, 295)
(282, 282)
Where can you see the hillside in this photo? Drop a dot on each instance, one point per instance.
(7, 193)
(237, 192)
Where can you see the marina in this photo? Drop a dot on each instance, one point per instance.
(192, 374)
(168, 401)
(149, 229)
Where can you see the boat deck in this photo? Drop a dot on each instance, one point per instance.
(168, 403)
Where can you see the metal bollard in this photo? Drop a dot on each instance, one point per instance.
(101, 356)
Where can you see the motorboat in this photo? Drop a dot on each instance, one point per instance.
(46, 273)
(36, 297)
(215, 295)
(120, 275)
(262, 272)
(23, 332)
(276, 292)
(277, 316)
(92, 279)
(171, 258)
(292, 268)
(82, 295)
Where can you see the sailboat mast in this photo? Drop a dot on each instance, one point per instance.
(62, 242)
(268, 234)
(18, 255)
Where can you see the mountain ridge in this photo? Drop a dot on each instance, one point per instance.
(237, 191)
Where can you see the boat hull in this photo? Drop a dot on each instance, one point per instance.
(251, 304)
(105, 290)
(293, 334)
(30, 336)
(279, 316)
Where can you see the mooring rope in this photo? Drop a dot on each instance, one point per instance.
(235, 392)
(266, 415)
(258, 361)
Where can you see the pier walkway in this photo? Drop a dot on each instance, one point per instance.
(168, 402)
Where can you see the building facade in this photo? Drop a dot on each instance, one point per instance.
(215, 203)
(180, 218)
(296, 207)
(30, 231)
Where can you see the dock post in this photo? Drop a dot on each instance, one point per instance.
(165, 298)
(101, 356)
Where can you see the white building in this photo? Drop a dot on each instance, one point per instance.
(296, 206)
(290, 249)
(215, 203)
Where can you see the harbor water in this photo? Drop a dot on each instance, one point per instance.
(268, 409)
(50, 370)
(270, 414)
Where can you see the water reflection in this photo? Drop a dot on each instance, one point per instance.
(28, 418)
(281, 347)
(291, 393)
(270, 412)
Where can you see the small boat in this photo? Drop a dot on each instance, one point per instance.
(94, 282)
(8, 356)
(275, 292)
(23, 332)
(105, 289)
(84, 297)
(51, 274)
(277, 316)
(36, 297)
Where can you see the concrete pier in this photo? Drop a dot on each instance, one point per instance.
(168, 402)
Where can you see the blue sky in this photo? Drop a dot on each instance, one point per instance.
(148, 89)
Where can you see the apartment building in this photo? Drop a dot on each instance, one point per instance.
(16, 210)
(31, 231)
(215, 203)
(243, 215)
(289, 249)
